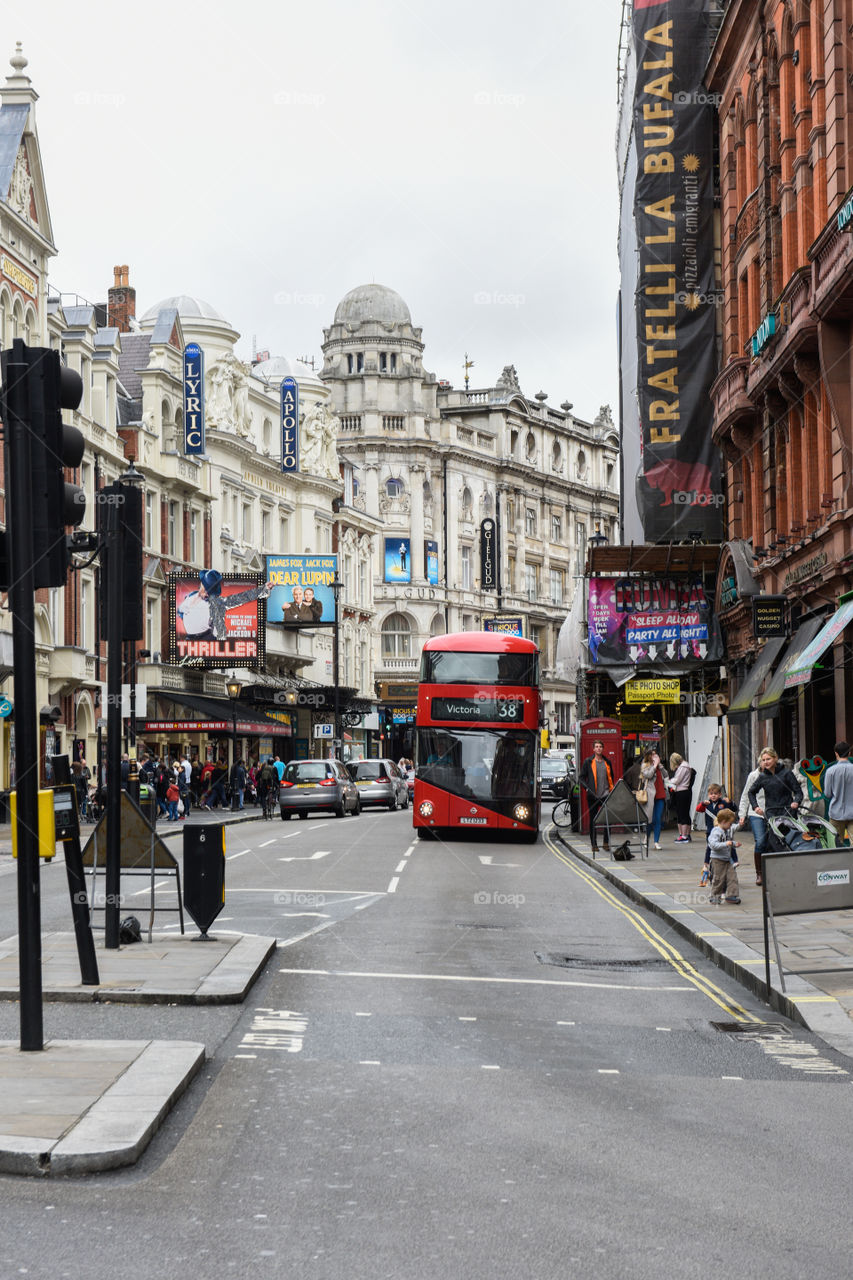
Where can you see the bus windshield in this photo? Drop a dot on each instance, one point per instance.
(443, 666)
(490, 766)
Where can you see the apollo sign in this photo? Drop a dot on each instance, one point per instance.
(193, 399)
(289, 425)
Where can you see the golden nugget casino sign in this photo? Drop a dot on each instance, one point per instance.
(678, 489)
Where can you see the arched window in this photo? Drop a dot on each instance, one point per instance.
(437, 627)
(396, 637)
(467, 503)
(393, 487)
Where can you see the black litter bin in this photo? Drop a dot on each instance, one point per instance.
(204, 872)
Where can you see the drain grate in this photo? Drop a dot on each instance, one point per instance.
(751, 1028)
(584, 962)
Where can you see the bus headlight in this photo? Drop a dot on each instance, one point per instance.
(522, 812)
(425, 808)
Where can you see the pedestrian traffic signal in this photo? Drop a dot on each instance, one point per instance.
(36, 388)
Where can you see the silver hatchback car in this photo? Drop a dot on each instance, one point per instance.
(380, 782)
(308, 786)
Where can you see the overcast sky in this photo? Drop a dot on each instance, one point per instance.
(269, 157)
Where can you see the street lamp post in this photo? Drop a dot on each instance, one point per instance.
(234, 687)
(336, 585)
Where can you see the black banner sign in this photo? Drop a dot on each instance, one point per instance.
(768, 616)
(489, 563)
(678, 488)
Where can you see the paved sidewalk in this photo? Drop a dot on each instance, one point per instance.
(82, 1106)
(816, 950)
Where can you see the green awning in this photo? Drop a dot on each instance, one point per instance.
(801, 671)
(768, 703)
(741, 704)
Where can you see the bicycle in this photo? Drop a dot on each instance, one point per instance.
(561, 815)
(269, 801)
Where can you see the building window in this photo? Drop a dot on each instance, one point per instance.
(362, 665)
(349, 364)
(172, 530)
(152, 638)
(556, 529)
(393, 361)
(149, 519)
(466, 568)
(283, 533)
(535, 634)
(383, 362)
(557, 581)
(247, 522)
(265, 530)
(359, 362)
(85, 616)
(393, 487)
(468, 622)
(530, 522)
(194, 557)
(362, 581)
(580, 537)
(396, 637)
(610, 475)
(531, 581)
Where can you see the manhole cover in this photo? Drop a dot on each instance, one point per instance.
(583, 962)
(751, 1028)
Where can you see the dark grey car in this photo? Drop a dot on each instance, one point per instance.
(310, 786)
(380, 782)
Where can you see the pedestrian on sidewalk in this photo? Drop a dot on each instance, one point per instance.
(711, 807)
(173, 795)
(773, 792)
(653, 777)
(838, 789)
(596, 777)
(238, 784)
(681, 785)
(724, 879)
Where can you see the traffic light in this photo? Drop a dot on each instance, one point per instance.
(119, 515)
(36, 388)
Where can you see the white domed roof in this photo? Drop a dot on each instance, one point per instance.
(279, 367)
(372, 302)
(191, 308)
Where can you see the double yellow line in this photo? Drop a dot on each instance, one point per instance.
(681, 966)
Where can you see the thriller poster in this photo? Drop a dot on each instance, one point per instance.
(217, 620)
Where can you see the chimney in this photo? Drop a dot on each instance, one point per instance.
(121, 301)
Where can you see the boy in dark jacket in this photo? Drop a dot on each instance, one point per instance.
(711, 807)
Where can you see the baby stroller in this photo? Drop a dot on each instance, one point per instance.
(806, 833)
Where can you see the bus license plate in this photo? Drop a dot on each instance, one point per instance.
(474, 822)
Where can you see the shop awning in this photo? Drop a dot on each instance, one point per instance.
(768, 704)
(801, 671)
(741, 704)
(220, 712)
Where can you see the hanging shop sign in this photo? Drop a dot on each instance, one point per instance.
(489, 566)
(193, 399)
(662, 691)
(769, 616)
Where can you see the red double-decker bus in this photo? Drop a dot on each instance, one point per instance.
(477, 735)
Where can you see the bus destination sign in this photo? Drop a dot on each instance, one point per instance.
(499, 709)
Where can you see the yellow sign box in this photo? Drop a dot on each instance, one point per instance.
(46, 821)
(665, 691)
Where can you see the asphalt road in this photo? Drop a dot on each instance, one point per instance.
(466, 1059)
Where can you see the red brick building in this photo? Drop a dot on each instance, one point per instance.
(783, 401)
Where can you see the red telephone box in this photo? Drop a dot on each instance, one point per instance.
(609, 732)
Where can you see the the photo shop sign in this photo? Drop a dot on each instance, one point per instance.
(193, 399)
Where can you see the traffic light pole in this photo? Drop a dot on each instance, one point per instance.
(19, 531)
(115, 579)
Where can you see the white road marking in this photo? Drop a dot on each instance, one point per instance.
(370, 1062)
(489, 1068)
(392, 888)
(158, 885)
(267, 842)
(731, 1077)
(607, 1071)
(565, 1024)
(402, 866)
(486, 859)
(410, 851)
(295, 915)
(364, 1015)
(312, 857)
(282, 1029)
(450, 977)
(231, 856)
(467, 1019)
(336, 893)
(663, 1028)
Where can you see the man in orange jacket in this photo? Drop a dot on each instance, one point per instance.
(596, 777)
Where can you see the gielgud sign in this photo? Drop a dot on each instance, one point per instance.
(678, 487)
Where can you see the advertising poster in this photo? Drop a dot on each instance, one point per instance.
(655, 622)
(398, 560)
(505, 626)
(217, 620)
(678, 486)
(301, 592)
(431, 561)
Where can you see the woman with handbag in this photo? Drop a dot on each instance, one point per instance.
(653, 787)
(682, 794)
